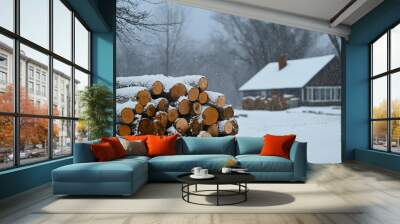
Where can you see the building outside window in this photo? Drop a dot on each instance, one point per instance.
(30, 87)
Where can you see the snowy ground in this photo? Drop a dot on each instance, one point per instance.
(318, 126)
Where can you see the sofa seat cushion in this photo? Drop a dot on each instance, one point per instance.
(257, 163)
(113, 171)
(185, 163)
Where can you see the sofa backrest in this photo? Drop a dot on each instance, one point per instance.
(83, 152)
(249, 145)
(206, 145)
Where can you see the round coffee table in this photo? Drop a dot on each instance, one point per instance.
(238, 179)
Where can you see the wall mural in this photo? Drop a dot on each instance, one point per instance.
(261, 77)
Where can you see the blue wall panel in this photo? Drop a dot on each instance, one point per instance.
(357, 87)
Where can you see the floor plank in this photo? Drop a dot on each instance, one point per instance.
(378, 189)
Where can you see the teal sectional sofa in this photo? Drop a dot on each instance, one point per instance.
(125, 176)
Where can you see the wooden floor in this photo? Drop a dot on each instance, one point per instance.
(377, 188)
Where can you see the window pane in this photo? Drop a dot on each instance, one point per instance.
(6, 74)
(62, 89)
(35, 21)
(395, 136)
(379, 135)
(379, 56)
(62, 138)
(34, 97)
(6, 142)
(81, 45)
(395, 47)
(395, 94)
(81, 81)
(81, 131)
(379, 97)
(7, 14)
(33, 139)
(62, 29)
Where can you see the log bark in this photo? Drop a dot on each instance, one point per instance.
(126, 115)
(216, 99)
(177, 91)
(123, 130)
(181, 125)
(203, 98)
(210, 115)
(193, 94)
(150, 110)
(226, 112)
(173, 114)
(161, 103)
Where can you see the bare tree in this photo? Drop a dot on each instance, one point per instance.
(261, 42)
(171, 37)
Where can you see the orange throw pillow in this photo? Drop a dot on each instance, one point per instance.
(161, 145)
(136, 138)
(277, 145)
(103, 152)
(116, 145)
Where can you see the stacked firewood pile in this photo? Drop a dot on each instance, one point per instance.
(274, 103)
(164, 105)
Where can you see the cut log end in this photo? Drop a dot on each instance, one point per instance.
(181, 125)
(145, 127)
(157, 88)
(203, 98)
(210, 115)
(183, 106)
(196, 108)
(213, 130)
(127, 115)
(150, 110)
(203, 83)
(193, 94)
(143, 97)
(173, 114)
(177, 91)
(123, 130)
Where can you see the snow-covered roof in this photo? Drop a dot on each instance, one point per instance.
(296, 74)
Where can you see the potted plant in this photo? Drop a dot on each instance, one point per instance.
(96, 103)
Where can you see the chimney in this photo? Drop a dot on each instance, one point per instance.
(282, 62)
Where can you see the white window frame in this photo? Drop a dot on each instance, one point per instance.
(321, 94)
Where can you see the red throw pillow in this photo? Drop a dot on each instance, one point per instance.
(161, 145)
(277, 145)
(116, 145)
(103, 152)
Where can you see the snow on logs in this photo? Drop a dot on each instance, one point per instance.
(161, 105)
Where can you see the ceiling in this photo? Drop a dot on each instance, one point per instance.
(328, 16)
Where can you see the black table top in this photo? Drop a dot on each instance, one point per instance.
(220, 178)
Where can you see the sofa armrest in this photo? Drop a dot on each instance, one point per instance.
(298, 155)
(83, 152)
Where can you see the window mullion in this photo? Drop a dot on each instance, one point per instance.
(389, 100)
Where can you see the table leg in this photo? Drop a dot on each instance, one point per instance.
(217, 194)
(195, 188)
(245, 193)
